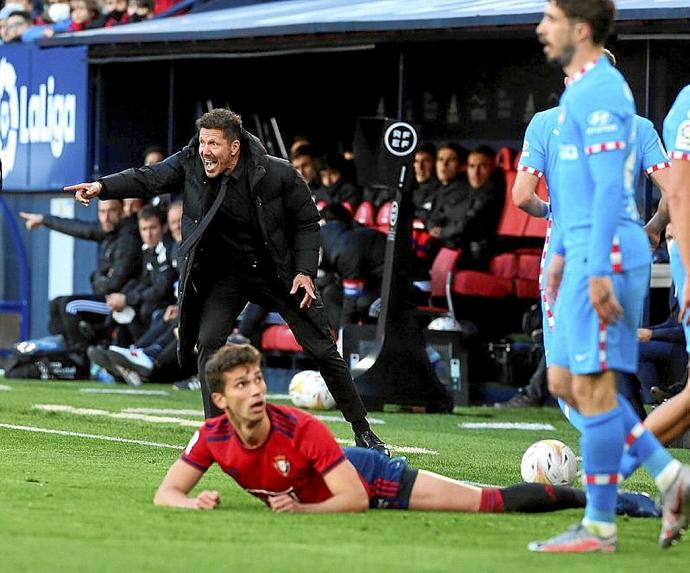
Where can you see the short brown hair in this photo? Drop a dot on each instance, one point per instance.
(599, 14)
(224, 119)
(225, 359)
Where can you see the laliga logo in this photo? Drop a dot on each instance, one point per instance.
(45, 117)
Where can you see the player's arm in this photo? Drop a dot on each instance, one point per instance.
(525, 195)
(660, 219)
(178, 482)
(349, 494)
(679, 205)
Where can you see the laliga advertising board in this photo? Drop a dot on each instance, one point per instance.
(43, 117)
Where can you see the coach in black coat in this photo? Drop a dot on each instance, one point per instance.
(249, 232)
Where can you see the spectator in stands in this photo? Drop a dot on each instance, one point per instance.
(81, 14)
(140, 10)
(297, 142)
(355, 255)
(16, 24)
(335, 188)
(427, 185)
(115, 13)
(467, 213)
(305, 159)
(119, 260)
(237, 249)
(152, 291)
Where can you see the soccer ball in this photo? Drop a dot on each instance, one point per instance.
(549, 461)
(308, 390)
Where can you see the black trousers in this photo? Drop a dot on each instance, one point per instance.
(222, 299)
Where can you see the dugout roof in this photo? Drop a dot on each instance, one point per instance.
(294, 23)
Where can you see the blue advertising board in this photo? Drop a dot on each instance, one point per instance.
(43, 117)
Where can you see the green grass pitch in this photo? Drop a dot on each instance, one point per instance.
(77, 503)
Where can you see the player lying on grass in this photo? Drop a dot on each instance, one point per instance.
(290, 460)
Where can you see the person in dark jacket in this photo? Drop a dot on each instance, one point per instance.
(250, 232)
(425, 193)
(466, 215)
(119, 260)
(356, 255)
(152, 290)
(335, 187)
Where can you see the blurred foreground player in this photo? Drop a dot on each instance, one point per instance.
(291, 461)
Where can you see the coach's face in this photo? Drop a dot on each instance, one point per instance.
(244, 395)
(556, 32)
(217, 153)
(109, 214)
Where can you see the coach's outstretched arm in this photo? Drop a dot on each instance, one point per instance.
(349, 494)
(178, 482)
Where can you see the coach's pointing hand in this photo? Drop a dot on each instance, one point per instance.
(84, 192)
(604, 299)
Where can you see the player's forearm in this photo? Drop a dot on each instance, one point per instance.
(679, 206)
(170, 497)
(536, 207)
(349, 502)
(660, 219)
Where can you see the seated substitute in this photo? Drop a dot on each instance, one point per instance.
(291, 461)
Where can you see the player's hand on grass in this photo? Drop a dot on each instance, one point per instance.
(284, 503)
(604, 299)
(84, 192)
(554, 276)
(32, 220)
(207, 499)
(305, 282)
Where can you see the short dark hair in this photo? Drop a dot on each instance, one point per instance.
(599, 14)
(427, 147)
(224, 119)
(225, 359)
(484, 150)
(149, 211)
(23, 14)
(336, 212)
(307, 150)
(459, 150)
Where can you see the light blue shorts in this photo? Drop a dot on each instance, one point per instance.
(581, 342)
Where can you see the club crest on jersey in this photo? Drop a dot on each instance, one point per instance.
(281, 464)
(683, 136)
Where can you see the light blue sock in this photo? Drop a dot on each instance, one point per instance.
(644, 448)
(602, 447)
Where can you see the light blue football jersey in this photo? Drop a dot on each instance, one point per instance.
(596, 172)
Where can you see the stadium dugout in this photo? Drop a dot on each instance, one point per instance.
(313, 66)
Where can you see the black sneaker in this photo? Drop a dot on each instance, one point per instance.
(662, 394)
(367, 439)
(520, 400)
(99, 356)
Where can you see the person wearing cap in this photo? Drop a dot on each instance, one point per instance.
(250, 232)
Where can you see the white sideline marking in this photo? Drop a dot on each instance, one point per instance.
(392, 448)
(505, 426)
(128, 414)
(5, 388)
(278, 396)
(179, 412)
(124, 391)
(332, 418)
(91, 436)
(120, 415)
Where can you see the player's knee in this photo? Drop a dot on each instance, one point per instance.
(559, 385)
